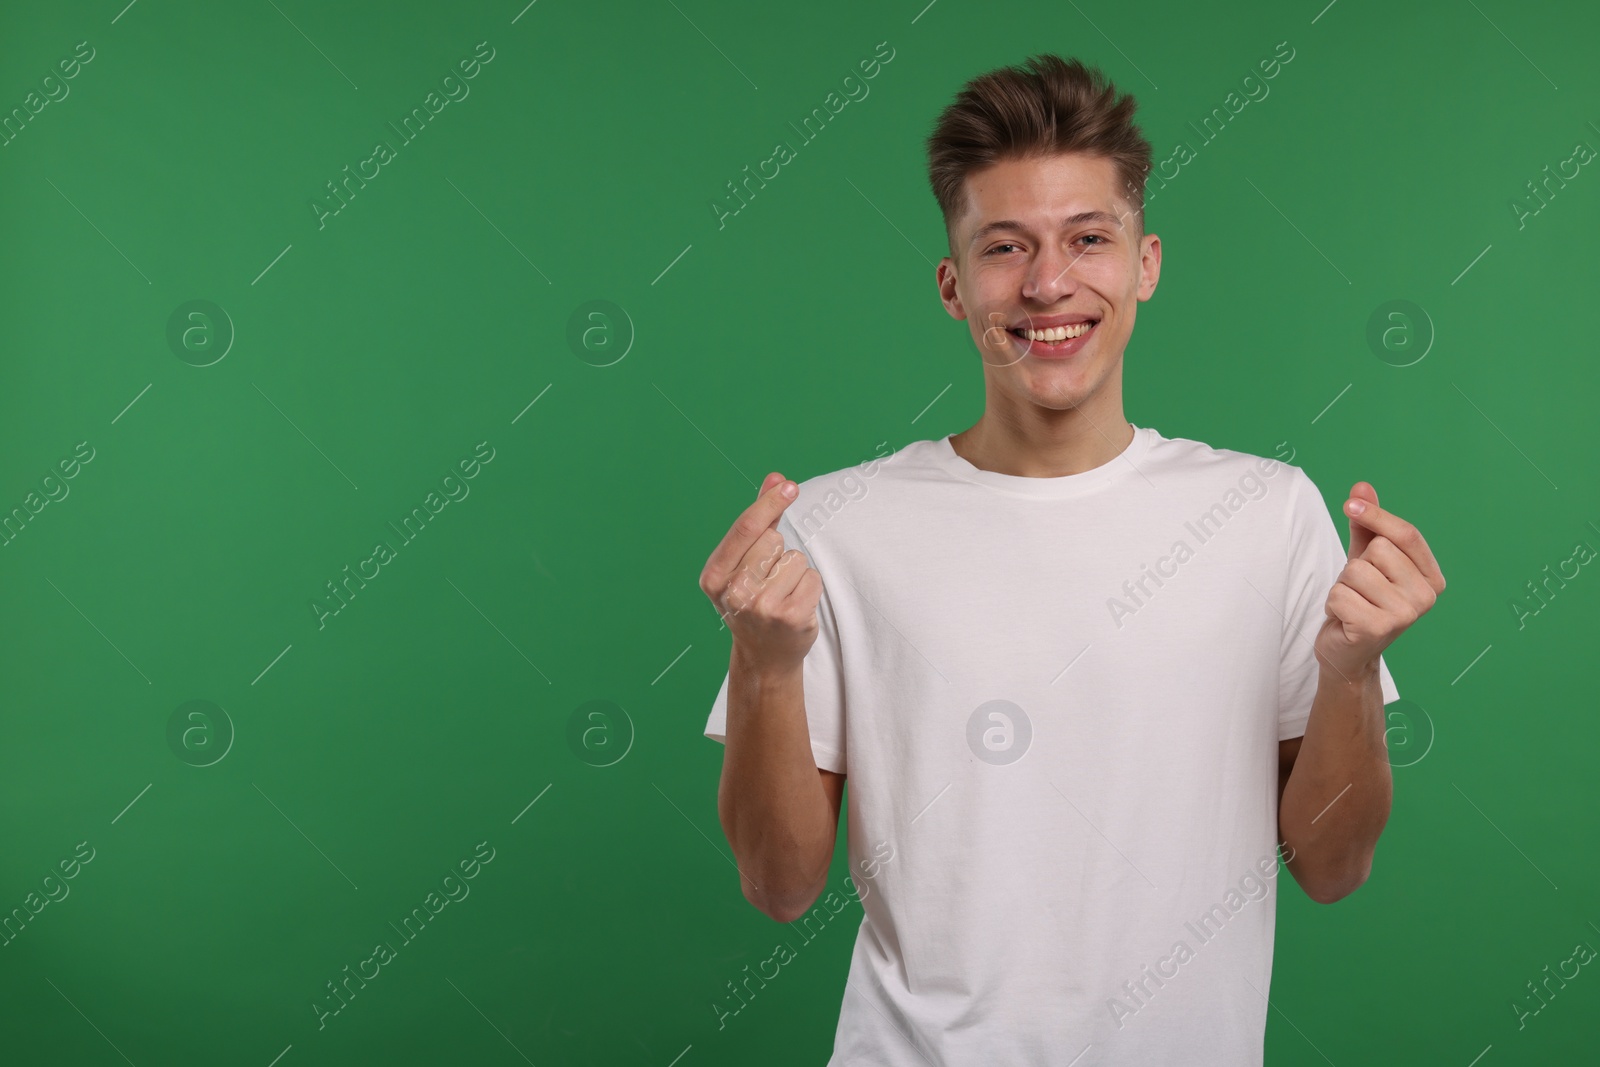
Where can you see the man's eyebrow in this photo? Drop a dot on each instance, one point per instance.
(1071, 220)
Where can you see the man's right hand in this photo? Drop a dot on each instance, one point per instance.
(767, 596)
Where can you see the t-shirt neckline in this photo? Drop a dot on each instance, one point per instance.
(1123, 465)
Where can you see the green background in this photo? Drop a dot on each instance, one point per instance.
(370, 355)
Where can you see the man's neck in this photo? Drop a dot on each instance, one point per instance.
(1039, 450)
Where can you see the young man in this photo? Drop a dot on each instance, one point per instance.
(1085, 679)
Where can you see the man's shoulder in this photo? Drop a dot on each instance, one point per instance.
(1187, 456)
(884, 464)
(882, 457)
(1202, 453)
(824, 496)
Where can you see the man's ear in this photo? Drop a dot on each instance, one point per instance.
(945, 276)
(1149, 265)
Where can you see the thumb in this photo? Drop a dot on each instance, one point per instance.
(1360, 536)
(768, 482)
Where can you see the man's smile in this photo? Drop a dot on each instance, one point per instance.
(1054, 337)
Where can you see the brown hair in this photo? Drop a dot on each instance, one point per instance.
(1046, 106)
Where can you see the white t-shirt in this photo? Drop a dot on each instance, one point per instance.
(1059, 702)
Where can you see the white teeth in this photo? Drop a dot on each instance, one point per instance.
(1058, 333)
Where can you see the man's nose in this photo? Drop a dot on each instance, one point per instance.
(1050, 276)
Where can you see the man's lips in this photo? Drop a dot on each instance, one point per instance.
(1065, 346)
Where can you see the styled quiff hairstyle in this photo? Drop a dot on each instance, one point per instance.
(1046, 106)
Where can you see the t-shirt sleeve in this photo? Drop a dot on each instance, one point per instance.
(1316, 558)
(822, 676)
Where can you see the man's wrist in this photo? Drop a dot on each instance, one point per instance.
(753, 670)
(1347, 677)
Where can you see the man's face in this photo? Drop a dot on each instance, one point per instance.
(1045, 239)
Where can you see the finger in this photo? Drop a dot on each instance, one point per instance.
(1375, 588)
(1354, 611)
(787, 572)
(781, 574)
(1405, 536)
(761, 560)
(1360, 535)
(1398, 568)
(751, 524)
(754, 568)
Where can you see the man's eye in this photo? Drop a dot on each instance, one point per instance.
(998, 247)
(1098, 239)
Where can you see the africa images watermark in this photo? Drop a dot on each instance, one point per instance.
(809, 523)
(1540, 195)
(855, 89)
(1536, 1002)
(55, 88)
(411, 126)
(55, 890)
(384, 952)
(412, 525)
(1255, 89)
(1211, 521)
(1540, 595)
(1136, 993)
(784, 952)
(13, 522)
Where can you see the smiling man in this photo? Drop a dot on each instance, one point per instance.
(1085, 679)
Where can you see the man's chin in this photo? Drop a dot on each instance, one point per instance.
(1061, 396)
(1059, 386)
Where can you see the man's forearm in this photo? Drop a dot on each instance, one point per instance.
(1337, 799)
(771, 802)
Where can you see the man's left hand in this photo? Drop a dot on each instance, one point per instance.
(1389, 581)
